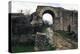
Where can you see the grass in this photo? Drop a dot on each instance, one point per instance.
(66, 34)
(29, 48)
(18, 48)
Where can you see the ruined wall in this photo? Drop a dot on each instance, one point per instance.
(70, 18)
(62, 18)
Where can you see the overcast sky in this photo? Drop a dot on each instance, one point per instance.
(31, 7)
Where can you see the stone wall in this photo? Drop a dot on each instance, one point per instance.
(43, 42)
(62, 18)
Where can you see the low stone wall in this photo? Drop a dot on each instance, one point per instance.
(42, 42)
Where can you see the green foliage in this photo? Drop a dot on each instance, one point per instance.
(70, 35)
(50, 47)
(18, 48)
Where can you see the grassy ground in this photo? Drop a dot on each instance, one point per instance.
(29, 48)
(66, 34)
(60, 41)
(18, 48)
(63, 40)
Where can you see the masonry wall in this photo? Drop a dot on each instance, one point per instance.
(70, 18)
(63, 18)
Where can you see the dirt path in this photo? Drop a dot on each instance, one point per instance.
(63, 43)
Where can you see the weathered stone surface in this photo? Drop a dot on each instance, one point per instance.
(50, 34)
(44, 40)
(41, 42)
(61, 17)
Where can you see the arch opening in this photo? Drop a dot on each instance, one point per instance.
(48, 17)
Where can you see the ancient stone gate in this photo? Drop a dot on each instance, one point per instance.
(62, 19)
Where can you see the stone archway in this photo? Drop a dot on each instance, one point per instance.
(41, 10)
(46, 9)
(49, 29)
(40, 42)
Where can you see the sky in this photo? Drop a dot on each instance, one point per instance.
(31, 7)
